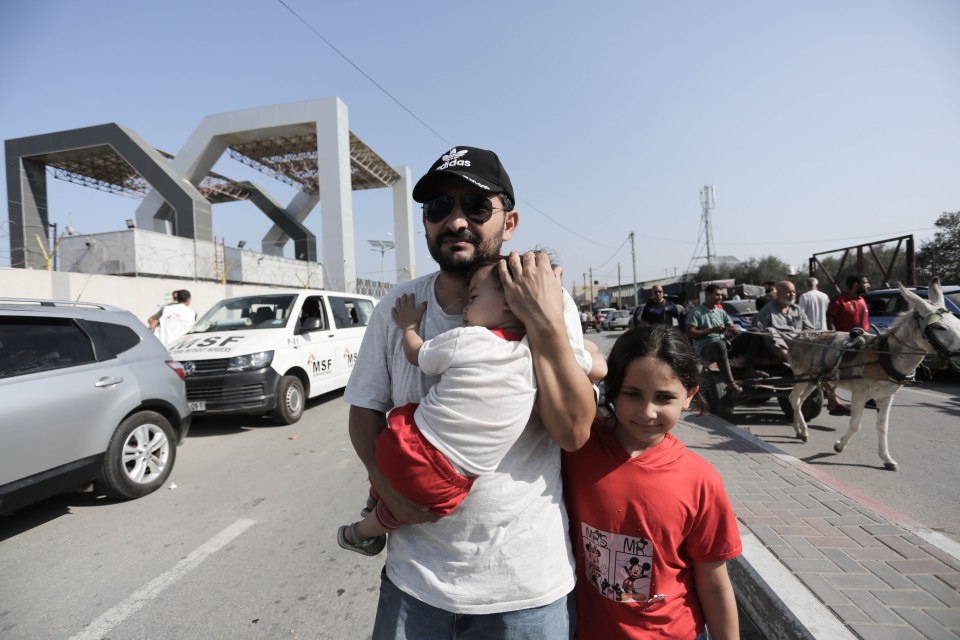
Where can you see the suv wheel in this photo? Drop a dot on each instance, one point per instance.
(290, 400)
(140, 456)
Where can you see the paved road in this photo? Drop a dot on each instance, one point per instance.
(240, 544)
(922, 438)
(243, 547)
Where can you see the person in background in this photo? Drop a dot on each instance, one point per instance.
(848, 311)
(769, 293)
(652, 525)
(780, 320)
(154, 320)
(706, 326)
(814, 303)
(176, 319)
(659, 310)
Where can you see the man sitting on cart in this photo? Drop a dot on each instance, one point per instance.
(706, 326)
(778, 321)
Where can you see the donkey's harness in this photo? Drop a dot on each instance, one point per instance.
(928, 325)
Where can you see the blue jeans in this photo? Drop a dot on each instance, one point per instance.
(403, 617)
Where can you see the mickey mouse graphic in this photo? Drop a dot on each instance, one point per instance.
(593, 563)
(635, 571)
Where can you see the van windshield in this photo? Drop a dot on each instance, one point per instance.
(252, 312)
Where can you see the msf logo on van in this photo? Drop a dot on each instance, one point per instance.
(350, 357)
(320, 366)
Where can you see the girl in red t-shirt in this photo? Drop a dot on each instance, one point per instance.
(651, 523)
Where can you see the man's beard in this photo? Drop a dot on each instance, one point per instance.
(459, 263)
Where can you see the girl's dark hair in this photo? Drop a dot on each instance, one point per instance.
(660, 341)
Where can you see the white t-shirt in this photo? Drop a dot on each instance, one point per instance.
(814, 303)
(484, 398)
(175, 321)
(507, 546)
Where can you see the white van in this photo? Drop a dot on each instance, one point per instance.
(268, 353)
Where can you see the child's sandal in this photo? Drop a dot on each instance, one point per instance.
(369, 547)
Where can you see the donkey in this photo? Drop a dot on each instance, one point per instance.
(877, 370)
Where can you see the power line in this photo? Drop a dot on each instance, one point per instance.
(562, 226)
(418, 118)
(364, 73)
(531, 205)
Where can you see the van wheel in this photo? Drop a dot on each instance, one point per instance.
(290, 400)
(139, 457)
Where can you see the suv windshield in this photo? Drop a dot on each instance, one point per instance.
(252, 312)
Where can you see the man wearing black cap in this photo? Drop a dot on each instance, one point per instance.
(501, 565)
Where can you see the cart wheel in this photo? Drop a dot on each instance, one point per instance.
(810, 408)
(720, 402)
(758, 397)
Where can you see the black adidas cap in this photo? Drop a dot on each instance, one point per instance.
(479, 167)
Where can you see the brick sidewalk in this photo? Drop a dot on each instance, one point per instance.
(820, 560)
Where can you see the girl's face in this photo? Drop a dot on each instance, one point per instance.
(486, 304)
(649, 405)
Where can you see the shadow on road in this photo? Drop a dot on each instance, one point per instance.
(205, 426)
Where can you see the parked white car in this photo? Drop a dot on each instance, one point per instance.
(269, 353)
(616, 320)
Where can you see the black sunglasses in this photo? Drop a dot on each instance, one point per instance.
(475, 207)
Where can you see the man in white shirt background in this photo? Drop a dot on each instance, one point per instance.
(175, 319)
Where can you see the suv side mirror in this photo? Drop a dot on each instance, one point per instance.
(310, 324)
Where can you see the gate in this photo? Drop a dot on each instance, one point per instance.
(886, 265)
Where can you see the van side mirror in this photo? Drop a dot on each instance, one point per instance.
(310, 324)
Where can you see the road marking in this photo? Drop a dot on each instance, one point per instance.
(102, 625)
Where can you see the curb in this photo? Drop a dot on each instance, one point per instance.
(789, 612)
(775, 599)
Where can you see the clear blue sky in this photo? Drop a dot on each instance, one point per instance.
(821, 124)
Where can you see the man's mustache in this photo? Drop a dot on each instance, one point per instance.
(463, 235)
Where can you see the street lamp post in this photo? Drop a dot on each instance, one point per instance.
(382, 246)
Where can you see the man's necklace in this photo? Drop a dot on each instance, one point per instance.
(456, 301)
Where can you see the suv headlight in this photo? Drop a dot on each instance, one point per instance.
(250, 362)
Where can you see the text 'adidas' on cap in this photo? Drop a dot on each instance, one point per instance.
(479, 167)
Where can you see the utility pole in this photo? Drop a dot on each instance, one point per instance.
(382, 246)
(619, 289)
(633, 259)
(591, 289)
(708, 201)
(56, 244)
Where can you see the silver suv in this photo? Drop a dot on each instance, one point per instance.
(87, 394)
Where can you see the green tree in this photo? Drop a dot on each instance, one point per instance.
(941, 256)
(750, 271)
